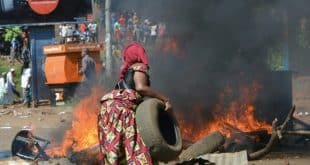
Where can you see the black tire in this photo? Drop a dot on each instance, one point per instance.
(209, 144)
(159, 130)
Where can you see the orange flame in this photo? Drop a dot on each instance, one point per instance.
(238, 115)
(169, 45)
(83, 133)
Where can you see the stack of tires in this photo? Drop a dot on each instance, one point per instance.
(162, 136)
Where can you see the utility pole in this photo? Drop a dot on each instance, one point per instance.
(108, 48)
(101, 12)
(98, 16)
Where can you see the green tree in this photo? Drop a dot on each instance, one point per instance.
(12, 32)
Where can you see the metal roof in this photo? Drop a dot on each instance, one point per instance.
(43, 23)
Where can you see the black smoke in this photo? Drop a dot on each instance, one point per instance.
(223, 43)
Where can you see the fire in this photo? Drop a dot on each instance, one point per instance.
(169, 45)
(83, 133)
(237, 115)
(228, 116)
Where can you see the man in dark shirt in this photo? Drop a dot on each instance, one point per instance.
(88, 66)
(88, 70)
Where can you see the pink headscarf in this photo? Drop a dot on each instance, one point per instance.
(133, 53)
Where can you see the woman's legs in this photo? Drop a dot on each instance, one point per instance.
(119, 137)
(110, 136)
(135, 149)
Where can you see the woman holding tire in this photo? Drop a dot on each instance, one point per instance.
(118, 134)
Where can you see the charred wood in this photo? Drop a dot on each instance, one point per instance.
(286, 121)
(272, 141)
(300, 132)
(275, 136)
(86, 156)
(256, 135)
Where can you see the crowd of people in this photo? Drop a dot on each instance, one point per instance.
(75, 33)
(8, 86)
(128, 27)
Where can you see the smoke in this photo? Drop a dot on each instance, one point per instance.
(222, 46)
(223, 43)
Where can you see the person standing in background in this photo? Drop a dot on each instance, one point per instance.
(26, 83)
(14, 50)
(83, 28)
(25, 46)
(122, 20)
(146, 31)
(82, 32)
(88, 70)
(11, 87)
(136, 27)
(3, 90)
(92, 28)
(153, 34)
(63, 33)
(161, 29)
(113, 18)
(117, 34)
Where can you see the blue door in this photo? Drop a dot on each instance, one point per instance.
(40, 36)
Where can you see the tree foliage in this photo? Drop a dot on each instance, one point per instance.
(12, 32)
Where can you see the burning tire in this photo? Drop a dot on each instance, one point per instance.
(159, 130)
(208, 144)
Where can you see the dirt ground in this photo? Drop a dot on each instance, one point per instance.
(283, 159)
(45, 121)
(51, 123)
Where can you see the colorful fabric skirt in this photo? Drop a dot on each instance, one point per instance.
(120, 140)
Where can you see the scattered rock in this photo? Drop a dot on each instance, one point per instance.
(61, 113)
(5, 112)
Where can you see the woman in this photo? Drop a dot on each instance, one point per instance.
(118, 134)
(11, 87)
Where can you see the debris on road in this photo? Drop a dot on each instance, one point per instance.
(26, 114)
(5, 127)
(27, 146)
(5, 112)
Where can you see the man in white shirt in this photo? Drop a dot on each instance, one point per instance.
(92, 27)
(153, 33)
(26, 83)
(63, 33)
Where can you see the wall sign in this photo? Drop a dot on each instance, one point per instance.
(43, 7)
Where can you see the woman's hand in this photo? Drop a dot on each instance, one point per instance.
(142, 87)
(168, 106)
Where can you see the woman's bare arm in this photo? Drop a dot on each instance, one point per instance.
(142, 87)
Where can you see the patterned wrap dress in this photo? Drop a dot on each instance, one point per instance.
(118, 134)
